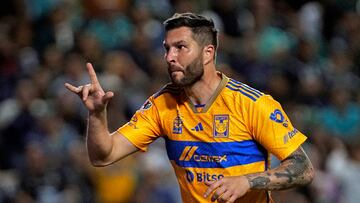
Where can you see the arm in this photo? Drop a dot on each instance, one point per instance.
(103, 148)
(296, 170)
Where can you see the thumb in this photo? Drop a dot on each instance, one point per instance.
(108, 95)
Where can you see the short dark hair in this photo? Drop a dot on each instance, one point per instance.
(203, 28)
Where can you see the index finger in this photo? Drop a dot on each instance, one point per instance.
(92, 73)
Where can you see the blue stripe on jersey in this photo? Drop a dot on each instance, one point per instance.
(247, 87)
(195, 154)
(242, 92)
(250, 88)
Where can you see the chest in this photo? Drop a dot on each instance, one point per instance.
(218, 124)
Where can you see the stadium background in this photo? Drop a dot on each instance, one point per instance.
(304, 53)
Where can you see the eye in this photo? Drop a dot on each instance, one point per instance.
(180, 46)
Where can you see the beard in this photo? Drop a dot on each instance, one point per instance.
(192, 73)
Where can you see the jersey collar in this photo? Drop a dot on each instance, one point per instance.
(221, 86)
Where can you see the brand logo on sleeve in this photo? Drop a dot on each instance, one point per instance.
(279, 117)
(290, 135)
(221, 126)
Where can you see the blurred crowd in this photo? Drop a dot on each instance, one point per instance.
(305, 53)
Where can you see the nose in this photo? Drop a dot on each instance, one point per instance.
(170, 56)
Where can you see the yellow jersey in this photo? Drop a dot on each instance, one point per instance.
(232, 135)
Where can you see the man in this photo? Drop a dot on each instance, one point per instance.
(218, 131)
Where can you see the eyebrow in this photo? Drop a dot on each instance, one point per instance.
(175, 43)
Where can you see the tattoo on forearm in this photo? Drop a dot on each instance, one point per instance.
(287, 174)
(260, 182)
(295, 170)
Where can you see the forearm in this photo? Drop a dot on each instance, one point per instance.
(98, 139)
(296, 170)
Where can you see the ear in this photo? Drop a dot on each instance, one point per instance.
(208, 54)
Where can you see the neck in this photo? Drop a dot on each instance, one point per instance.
(201, 91)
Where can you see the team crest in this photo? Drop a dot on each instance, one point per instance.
(221, 126)
(177, 125)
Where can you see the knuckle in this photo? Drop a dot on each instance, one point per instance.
(215, 197)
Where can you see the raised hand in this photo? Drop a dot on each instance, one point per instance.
(227, 189)
(92, 95)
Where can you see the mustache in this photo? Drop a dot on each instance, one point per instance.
(173, 68)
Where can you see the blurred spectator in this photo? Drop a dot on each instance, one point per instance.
(344, 164)
(89, 47)
(112, 28)
(339, 68)
(123, 66)
(53, 59)
(39, 180)
(9, 69)
(342, 117)
(148, 26)
(325, 187)
(17, 121)
(307, 73)
(112, 79)
(310, 20)
(78, 172)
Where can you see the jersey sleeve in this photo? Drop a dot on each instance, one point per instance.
(271, 127)
(144, 126)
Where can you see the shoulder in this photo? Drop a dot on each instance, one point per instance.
(167, 97)
(244, 91)
(168, 90)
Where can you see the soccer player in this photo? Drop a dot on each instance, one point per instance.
(219, 132)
